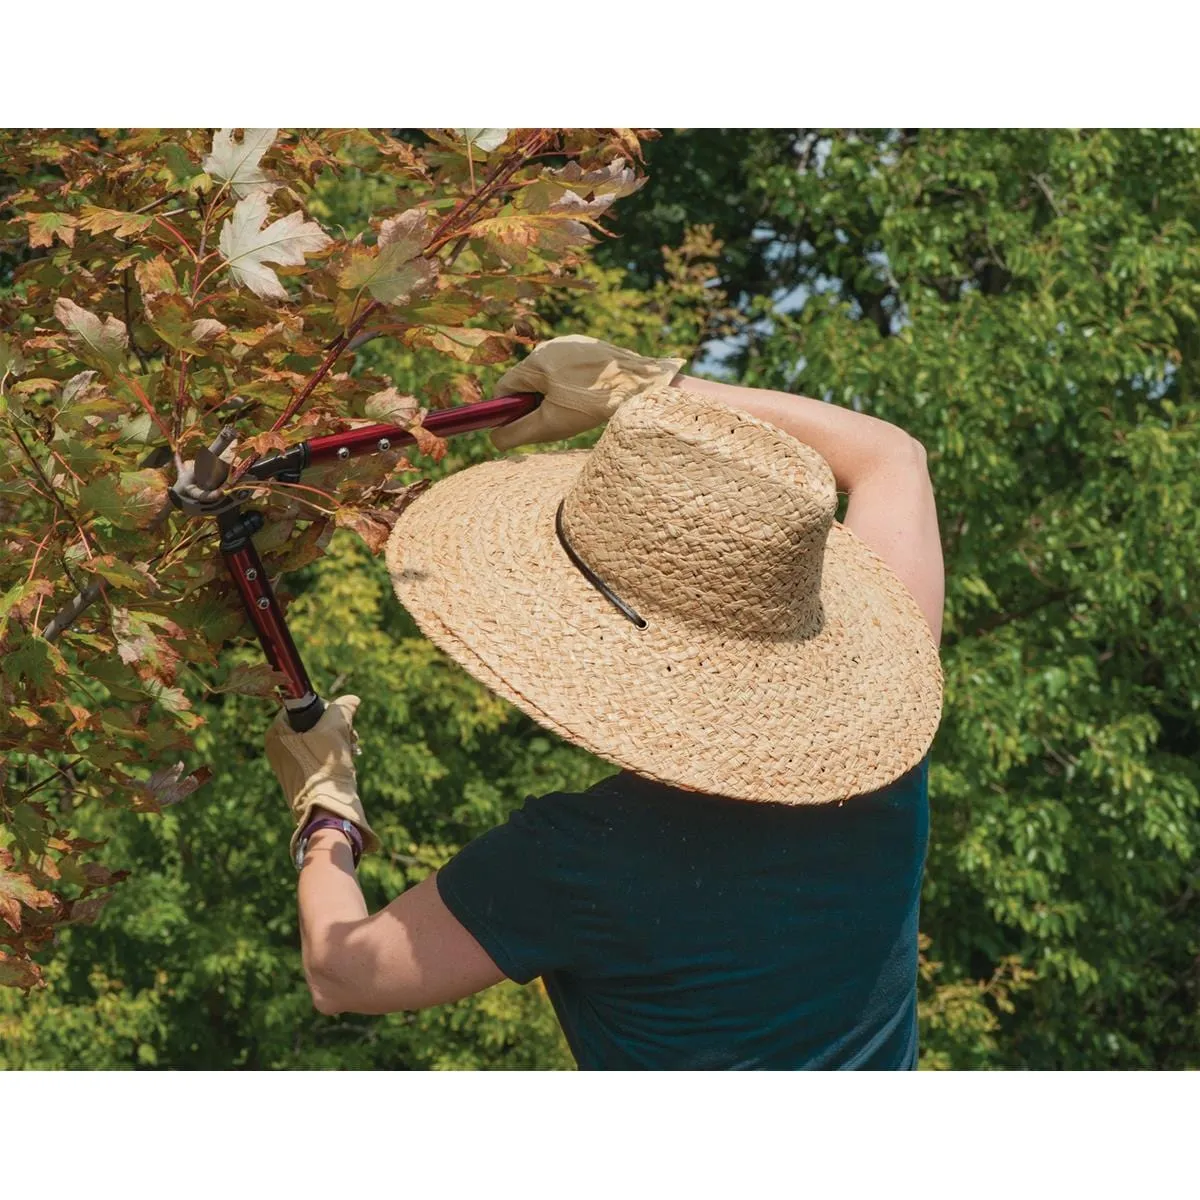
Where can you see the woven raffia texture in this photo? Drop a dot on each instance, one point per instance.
(782, 659)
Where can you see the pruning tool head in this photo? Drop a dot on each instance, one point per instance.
(199, 488)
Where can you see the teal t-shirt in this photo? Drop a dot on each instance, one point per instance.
(682, 931)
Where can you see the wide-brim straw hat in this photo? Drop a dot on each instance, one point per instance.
(774, 656)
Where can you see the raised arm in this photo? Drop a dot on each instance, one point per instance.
(583, 380)
(882, 468)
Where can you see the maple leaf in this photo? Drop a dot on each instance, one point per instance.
(247, 246)
(11, 362)
(390, 406)
(131, 500)
(368, 525)
(615, 180)
(514, 234)
(106, 340)
(486, 139)
(139, 646)
(169, 786)
(16, 890)
(207, 330)
(85, 910)
(155, 275)
(264, 443)
(388, 280)
(445, 390)
(35, 660)
(407, 232)
(76, 386)
(237, 163)
(44, 227)
(17, 972)
(572, 202)
(588, 194)
(170, 316)
(19, 598)
(394, 272)
(428, 443)
(109, 220)
(305, 548)
(258, 679)
(467, 345)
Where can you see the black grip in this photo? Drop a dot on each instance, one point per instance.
(303, 719)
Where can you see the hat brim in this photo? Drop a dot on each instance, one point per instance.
(477, 562)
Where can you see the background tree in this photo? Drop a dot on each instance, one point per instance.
(1024, 302)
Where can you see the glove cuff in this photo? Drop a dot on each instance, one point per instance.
(316, 798)
(646, 375)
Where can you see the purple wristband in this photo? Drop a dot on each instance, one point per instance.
(338, 823)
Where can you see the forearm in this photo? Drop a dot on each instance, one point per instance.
(854, 444)
(331, 905)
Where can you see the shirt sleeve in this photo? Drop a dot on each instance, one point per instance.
(508, 888)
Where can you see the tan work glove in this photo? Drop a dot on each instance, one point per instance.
(583, 382)
(316, 769)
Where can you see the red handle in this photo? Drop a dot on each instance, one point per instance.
(445, 422)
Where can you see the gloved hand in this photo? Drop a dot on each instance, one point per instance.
(583, 381)
(316, 769)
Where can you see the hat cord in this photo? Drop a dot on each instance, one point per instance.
(591, 575)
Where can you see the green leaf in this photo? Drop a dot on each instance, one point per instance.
(11, 361)
(170, 316)
(388, 278)
(122, 574)
(393, 272)
(131, 500)
(36, 661)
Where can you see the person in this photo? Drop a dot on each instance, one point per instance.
(680, 601)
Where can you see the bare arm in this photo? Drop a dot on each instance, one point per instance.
(891, 505)
(412, 954)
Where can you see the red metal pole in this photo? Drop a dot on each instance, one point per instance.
(259, 598)
(445, 422)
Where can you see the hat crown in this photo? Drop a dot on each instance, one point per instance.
(689, 509)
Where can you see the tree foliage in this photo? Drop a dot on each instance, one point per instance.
(169, 284)
(1025, 303)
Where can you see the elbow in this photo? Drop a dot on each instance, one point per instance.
(326, 986)
(916, 452)
(324, 992)
(905, 451)
(324, 1003)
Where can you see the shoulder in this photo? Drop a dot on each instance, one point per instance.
(574, 819)
(545, 831)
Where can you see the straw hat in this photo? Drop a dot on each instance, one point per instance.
(764, 652)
